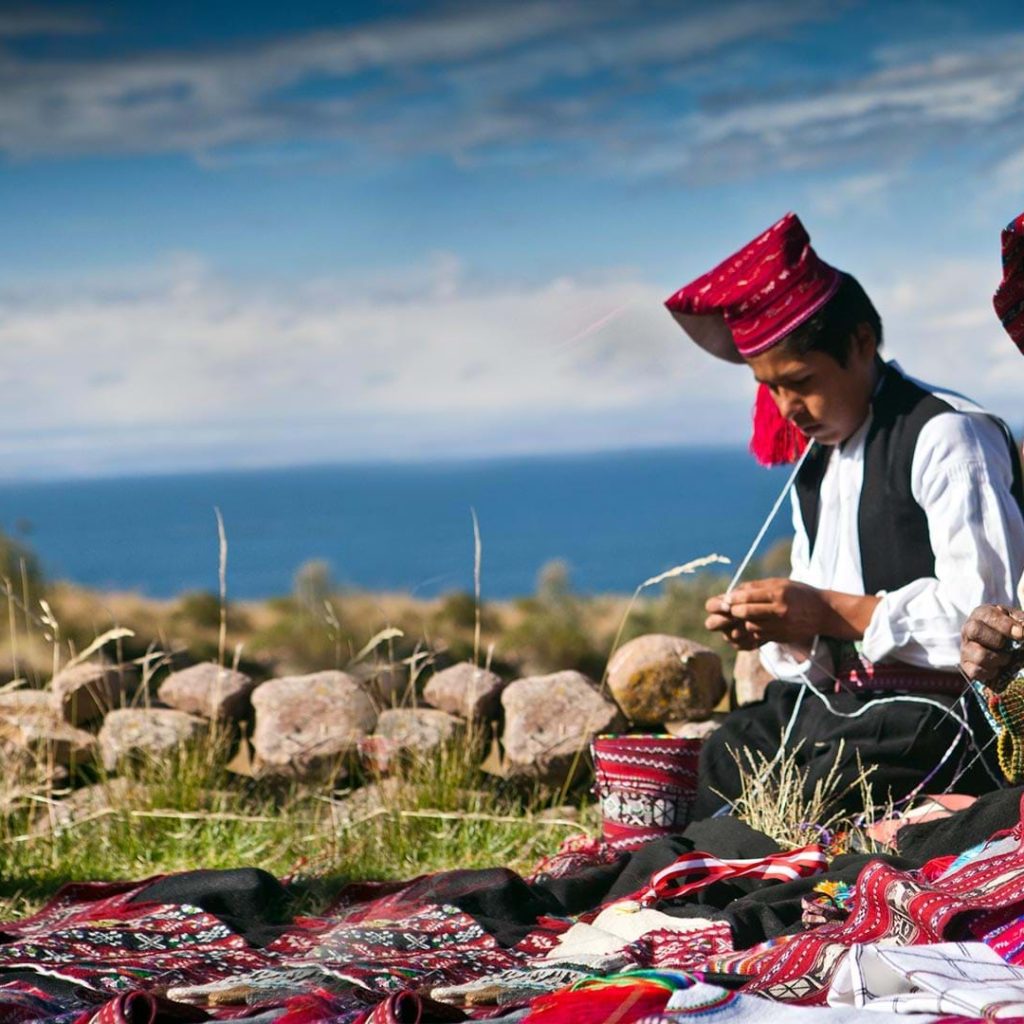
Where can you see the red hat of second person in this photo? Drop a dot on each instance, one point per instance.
(1009, 296)
(750, 302)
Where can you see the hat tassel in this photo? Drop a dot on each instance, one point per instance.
(775, 441)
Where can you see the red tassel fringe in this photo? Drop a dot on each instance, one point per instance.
(775, 441)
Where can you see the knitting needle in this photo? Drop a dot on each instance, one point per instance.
(783, 494)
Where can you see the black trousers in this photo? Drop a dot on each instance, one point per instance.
(904, 741)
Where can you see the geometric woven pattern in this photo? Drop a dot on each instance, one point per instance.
(646, 785)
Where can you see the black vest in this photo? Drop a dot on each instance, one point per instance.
(892, 528)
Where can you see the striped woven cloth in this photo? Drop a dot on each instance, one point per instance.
(698, 870)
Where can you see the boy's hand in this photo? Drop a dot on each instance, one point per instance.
(732, 629)
(773, 609)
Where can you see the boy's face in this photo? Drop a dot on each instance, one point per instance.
(828, 402)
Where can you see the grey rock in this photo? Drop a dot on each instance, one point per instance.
(307, 725)
(465, 690)
(549, 723)
(405, 734)
(658, 678)
(27, 775)
(208, 690)
(750, 677)
(694, 730)
(83, 694)
(45, 738)
(417, 730)
(145, 732)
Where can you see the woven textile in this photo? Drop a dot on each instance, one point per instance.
(714, 1004)
(646, 786)
(1007, 711)
(575, 854)
(621, 998)
(950, 977)
(750, 302)
(983, 899)
(695, 871)
(1009, 297)
(759, 294)
(92, 934)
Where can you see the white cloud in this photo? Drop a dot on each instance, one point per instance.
(958, 95)
(566, 83)
(182, 364)
(854, 193)
(457, 81)
(940, 324)
(177, 367)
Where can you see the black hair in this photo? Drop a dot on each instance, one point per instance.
(832, 328)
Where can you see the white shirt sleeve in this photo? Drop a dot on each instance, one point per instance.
(961, 476)
(784, 661)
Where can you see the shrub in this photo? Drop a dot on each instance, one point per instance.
(313, 586)
(199, 608)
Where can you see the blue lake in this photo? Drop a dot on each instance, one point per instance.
(615, 518)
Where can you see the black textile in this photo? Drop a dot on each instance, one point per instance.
(501, 902)
(991, 813)
(250, 901)
(57, 988)
(904, 741)
(725, 837)
(507, 906)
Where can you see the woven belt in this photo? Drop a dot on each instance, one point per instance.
(856, 674)
(863, 678)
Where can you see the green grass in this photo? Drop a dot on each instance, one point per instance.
(191, 812)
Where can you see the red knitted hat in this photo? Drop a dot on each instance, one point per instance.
(750, 302)
(1009, 296)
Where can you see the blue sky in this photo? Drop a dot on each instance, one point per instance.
(331, 232)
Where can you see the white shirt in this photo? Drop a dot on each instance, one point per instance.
(961, 476)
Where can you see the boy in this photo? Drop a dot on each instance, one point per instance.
(907, 513)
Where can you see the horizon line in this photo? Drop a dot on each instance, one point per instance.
(376, 462)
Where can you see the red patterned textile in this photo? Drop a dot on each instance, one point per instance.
(758, 295)
(646, 785)
(143, 1008)
(93, 936)
(750, 302)
(698, 870)
(1009, 297)
(623, 1004)
(575, 854)
(982, 899)
(92, 933)
(859, 675)
(410, 1008)
(686, 951)
(391, 945)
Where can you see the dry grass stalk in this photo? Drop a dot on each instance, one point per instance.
(222, 578)
(478, 551)
(774, 800)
